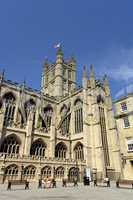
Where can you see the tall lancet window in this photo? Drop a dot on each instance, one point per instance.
(46, 118)
(30, 107)
(48, 111)
(10, 104)
(65, 120)
(100, 102)
(78, 116)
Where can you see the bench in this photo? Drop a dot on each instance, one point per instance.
(103, 182)
(124, 182)
(17, 182)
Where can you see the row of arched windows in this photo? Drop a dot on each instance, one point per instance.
(45, 116)
(29, 172)
(22, 115)
(11, 146)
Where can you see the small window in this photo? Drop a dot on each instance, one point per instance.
(69, 87)
(126, 122)
(123, 106)
(69, 74)
(64, 72)
(130, 144)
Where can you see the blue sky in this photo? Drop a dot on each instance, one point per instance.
(94, 31)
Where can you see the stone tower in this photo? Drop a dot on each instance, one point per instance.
(59, 78)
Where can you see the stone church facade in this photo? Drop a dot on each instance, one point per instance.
(60, 130)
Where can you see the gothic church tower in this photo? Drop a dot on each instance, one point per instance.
(59, 78)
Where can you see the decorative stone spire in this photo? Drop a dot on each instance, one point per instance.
(84, 71)
(91, 71)
(46, 64)
(72, 61)
(106, 84)
(2, 76)
(59, 55)
(84, 77)
(92, 77)
(59, 51)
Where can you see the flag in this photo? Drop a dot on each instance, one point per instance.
(57, 45)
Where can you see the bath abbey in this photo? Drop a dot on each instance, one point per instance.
(60, 131)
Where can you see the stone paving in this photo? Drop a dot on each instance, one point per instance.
(70, 193)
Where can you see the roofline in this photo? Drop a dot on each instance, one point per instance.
(123, 97)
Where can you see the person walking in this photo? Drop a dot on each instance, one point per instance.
(75, 181)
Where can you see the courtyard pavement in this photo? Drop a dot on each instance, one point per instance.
(69, 193)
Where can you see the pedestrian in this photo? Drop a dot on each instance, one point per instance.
(40, 183)
(64, 182)
(95, 182)
(53, 183)
(75, 181)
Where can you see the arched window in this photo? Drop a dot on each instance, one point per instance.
(60, 150)
(100, 102)
(78, 151)
(29, 172)
(38, 148)
(65, 120)
(9, 101)
(30, 106)
(20, 120)
(73, 173)
(46, 172)
(46, 117)
(63, 110)
(11, 172)
(78, 116)
(59, 172)
(10, 145)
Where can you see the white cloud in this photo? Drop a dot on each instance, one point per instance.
(123, 72)
(117, 64)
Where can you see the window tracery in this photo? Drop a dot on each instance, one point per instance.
(46, 118)
(9, 102)
(65, 120)
(10, 145)
(78, 151)
(78, 116)
(59, 173)
(11, 172)
(38, 148)
(29, 172)
(60, 150)
(73, 173)
(46, 172)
